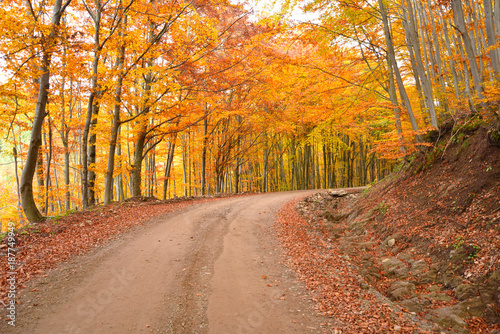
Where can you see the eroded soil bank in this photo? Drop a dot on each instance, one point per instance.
(427, 239)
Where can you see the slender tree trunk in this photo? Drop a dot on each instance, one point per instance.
(492, 38)
(108, 187)
(453, 71)
(439, 61)
(14, 152)
(420, 69)
(392, 58)
(137, 166)
(168, 165)
(459, 19)
(92, 151)
(204, 153)
(119, 178)
(47, 174)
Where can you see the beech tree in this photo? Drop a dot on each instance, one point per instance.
(48, 42)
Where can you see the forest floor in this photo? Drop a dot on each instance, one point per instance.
(418, 252)
(427, 238)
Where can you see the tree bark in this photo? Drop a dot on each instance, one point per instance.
(459, 19)
(168, 165)
(29, 206)
(419, 68)
(108, 187)
(492, 38)
(392, 58)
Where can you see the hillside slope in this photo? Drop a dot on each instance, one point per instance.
(427, 237)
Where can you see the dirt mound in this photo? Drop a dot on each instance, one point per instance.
(428, 237)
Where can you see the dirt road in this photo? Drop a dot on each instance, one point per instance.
(211, 268)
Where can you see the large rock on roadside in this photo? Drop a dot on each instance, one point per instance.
(337, 193)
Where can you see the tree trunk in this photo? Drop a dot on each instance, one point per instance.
(120, 193)
(492, 38)
(204, 154)
(108, 187)
(459, 19)
(392, 58)
(419, 68)
(168, 165)
(454, 75)
(137, 166)
(29, 207)
(47, 174)
(92, 151)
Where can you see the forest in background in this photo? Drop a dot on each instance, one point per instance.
(106, 100)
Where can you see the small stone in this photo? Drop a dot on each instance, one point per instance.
(364, 286)
(397, 328)
(391, 242)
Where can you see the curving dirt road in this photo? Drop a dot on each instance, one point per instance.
(211, 268)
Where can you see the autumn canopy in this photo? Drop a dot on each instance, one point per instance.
(106, 100)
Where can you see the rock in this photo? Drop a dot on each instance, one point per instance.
(365, 246)
(446, 317)
(415, 304)
(434, 288)
(364, 286)
(404, 257)
(438, 296)
(400, 290)
(465, 291)
(489, 294)
(394, 267)
(450, 280)
(397, 328)
(494, 280)
(358, 227)
(429, 277)
(419, 267)
(474, 307)
(391, 242)
(369, 271)
(337, 193)
(391, 262)
(396, 237)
